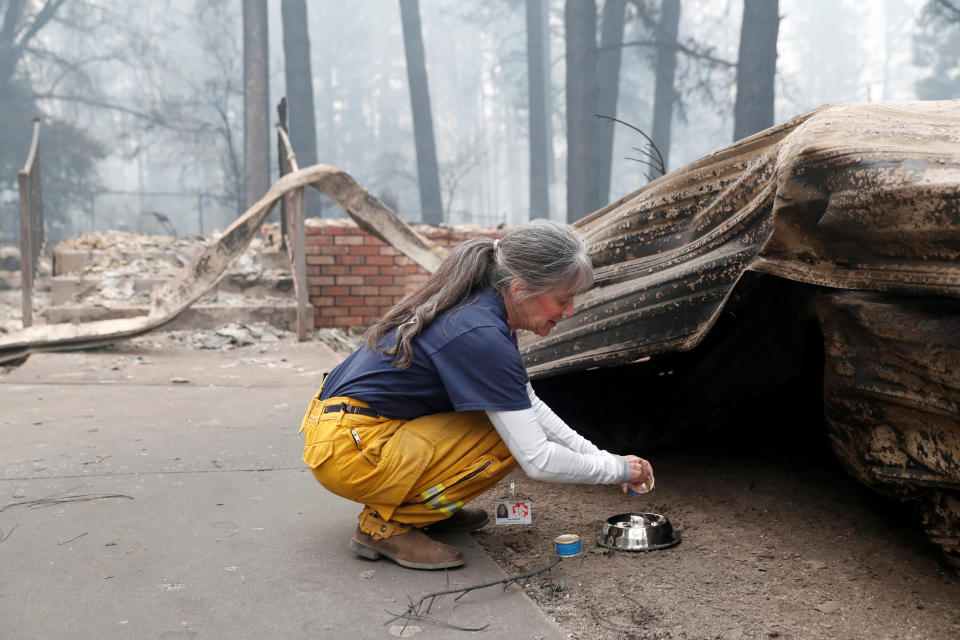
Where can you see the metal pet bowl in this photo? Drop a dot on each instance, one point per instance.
(638, 532)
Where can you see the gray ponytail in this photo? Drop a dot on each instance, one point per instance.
(544, 255)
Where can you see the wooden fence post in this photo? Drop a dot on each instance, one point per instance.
(294, 206)
(31, 223)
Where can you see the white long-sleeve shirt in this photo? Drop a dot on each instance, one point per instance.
(549, 450)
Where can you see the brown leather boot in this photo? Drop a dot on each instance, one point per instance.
(462, 521)
(413, 549)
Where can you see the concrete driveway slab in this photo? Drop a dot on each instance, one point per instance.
(136, 507)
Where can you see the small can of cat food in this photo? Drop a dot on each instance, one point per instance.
(567, 544)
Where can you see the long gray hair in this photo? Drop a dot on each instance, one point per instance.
(541, 255)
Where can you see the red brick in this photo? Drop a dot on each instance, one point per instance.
(321, 301)
(351, 321)
(392, 291)
(318, 240)
(320, 281)
(403, 260)
(378, 280)
(313, 291)
(381, 301)
(370, 270)
(348, 239)
(368, 239)
(321, 260)
(338, 250)
(392, 271)
(336, 291)
(333, 311)
(313, 271)
(364, 290)
(379, 260)
(413, 268)
(390, 251)
(352, 260)
(349, 301)
(365, 250)
(337, 270)
(365, 311)
(349, 280)
(335, 231)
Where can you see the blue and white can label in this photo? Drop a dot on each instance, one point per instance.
(567, 544)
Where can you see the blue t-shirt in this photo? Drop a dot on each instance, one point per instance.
(466, 359)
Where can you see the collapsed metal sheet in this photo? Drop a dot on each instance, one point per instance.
(860, 204)
(204, 271)
(849, 196)
(892, 400)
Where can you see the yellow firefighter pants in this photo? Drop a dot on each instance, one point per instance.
(407, 473)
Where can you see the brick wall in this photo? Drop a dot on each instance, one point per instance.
(354, 277)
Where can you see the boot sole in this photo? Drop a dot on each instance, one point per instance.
(372, 553)
(440, 528)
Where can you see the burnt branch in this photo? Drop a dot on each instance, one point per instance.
(949, 8)
(654, 153)
(418, 610)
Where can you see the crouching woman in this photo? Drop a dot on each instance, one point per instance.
(435, 406)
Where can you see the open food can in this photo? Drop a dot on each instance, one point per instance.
(567, 544)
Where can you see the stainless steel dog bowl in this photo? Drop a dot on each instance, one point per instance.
(638, 532)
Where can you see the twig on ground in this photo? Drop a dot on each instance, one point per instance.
(63, 499)
(3, 538)
(72, 539)
(408, 617)
(416, 611)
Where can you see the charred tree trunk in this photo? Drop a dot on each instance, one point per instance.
(665, 92)
(756, 67)
(538, 83)
(608, 76)
(256, 107)
(428, 174)
(580, 19)
(296, 66)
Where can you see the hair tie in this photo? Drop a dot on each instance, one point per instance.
(496, 244)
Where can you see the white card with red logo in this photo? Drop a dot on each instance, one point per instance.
(513, 511)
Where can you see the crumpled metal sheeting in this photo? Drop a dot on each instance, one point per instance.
(892, 400)
(893, 362)
(850, 196)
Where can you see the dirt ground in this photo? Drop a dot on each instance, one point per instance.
(773, 546)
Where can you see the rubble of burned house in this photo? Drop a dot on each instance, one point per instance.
(353, 277)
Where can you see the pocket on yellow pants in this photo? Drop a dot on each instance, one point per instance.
(403, 460)
(317, 453)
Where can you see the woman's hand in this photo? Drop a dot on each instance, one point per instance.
(640, 473)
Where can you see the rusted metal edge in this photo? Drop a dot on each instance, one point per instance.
(886, 175)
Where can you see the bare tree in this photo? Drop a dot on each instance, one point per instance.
(664, 90)
(296, 66)
(69, 154)
(538, 74)
(19, 28)
(608, 77)
(936, 47)
(580, 21)
(756, 67)
(256, 103)
(428, 175)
